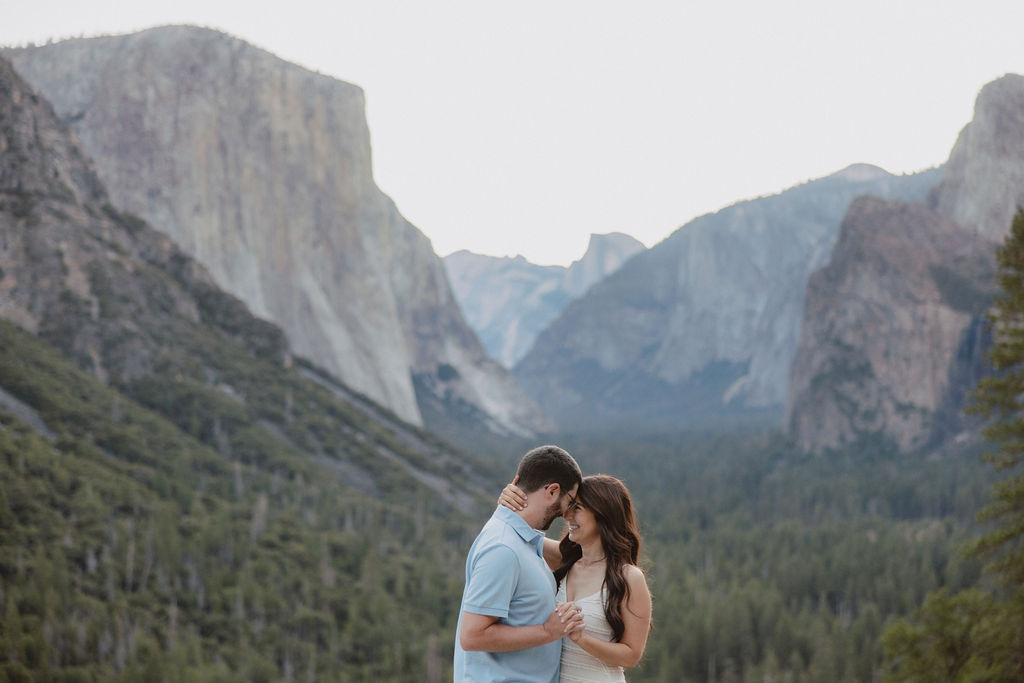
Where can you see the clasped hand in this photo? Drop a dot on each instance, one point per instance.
(566, 620)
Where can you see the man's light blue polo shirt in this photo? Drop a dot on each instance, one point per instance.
(506, 577)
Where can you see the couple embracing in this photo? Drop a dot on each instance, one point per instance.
(539, 610)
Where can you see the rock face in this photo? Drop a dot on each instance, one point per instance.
(605, 254)
(261, 170)
(508, 301)
(102, 286)
(705, 323)
(892, 331)
(983, 181)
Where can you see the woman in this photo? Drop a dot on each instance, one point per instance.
(595, 565)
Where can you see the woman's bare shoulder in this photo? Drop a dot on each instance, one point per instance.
(635, 576)
(633, 570)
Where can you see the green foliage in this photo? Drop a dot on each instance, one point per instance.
(194, 540)
(969, 636)
(1001, 397)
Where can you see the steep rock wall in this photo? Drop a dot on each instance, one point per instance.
(261, 170)
(892, 327)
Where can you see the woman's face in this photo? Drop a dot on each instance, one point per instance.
(582, 524)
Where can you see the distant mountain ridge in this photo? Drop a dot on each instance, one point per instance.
(508, 301)
(706, 323)
(261, 170)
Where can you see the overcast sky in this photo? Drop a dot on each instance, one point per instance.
(522, 127)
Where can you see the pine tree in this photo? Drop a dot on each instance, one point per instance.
(1001, 398)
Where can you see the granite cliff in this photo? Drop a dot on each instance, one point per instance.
(125, 304)
(261, 170)
(706, 323)
(98, 284)
(983, 181)
(893, 330)
(509, 301)
(894, 333)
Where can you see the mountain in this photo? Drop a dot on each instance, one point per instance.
(261, 170)
(706, 323)
(983, 182)
(180, 491)
(894, 332)
(605, 254)
(508, 301)
(129, 307)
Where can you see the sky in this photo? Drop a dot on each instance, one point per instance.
(522, 127)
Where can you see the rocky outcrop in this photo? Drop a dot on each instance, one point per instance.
(706, 323)
(261, 170)
(892, 331)
(508, 301)
(605, 254)
(983, 182)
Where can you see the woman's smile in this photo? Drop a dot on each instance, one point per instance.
(580, 522)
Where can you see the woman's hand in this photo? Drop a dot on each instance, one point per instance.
(572, 619)
(512, 497)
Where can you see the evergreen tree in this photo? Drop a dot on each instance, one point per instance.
(1001, 397)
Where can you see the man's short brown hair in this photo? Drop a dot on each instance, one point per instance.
(548, 465)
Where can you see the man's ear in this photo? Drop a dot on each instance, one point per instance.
(553, 489)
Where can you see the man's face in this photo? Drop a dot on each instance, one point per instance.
(559, 507)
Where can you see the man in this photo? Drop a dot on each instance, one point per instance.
(509, 629)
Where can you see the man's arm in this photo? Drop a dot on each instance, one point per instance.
(488, 594)
(485, 633)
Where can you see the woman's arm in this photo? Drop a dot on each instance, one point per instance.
(512, 496)
(636, 615)
(552, 555)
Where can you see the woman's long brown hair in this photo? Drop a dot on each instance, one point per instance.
(609, 501)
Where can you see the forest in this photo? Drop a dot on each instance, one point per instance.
(138, 548)
(132, 550)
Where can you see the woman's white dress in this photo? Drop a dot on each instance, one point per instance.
(578, 665)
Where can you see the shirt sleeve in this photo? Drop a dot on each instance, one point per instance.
(492, 582)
